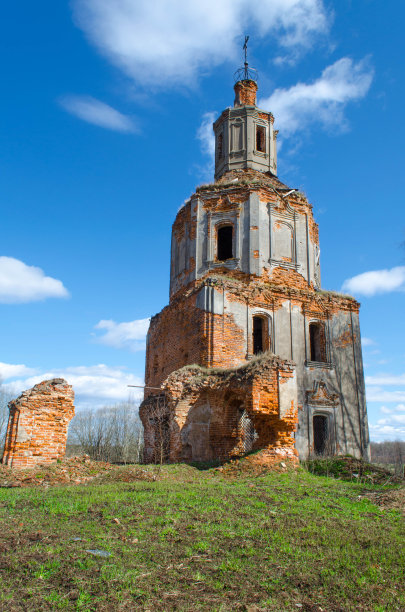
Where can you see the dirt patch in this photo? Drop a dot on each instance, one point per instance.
(260, 463)
(389, 500)
(74, 471)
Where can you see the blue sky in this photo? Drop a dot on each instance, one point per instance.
(106, 113)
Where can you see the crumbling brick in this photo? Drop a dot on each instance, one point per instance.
(205, 410)
(38, 424)
(245, 93)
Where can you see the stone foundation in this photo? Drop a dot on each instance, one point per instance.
(38, 424)
(216, 414)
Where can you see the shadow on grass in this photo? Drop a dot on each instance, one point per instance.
(214, 463)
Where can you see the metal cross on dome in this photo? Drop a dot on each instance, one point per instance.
(246, 62)
(246, 73)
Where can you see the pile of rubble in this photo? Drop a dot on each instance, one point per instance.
(262, 462)
(353, 470)
(73, 470)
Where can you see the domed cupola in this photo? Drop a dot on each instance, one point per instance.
(244, 135)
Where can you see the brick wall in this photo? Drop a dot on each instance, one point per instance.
(245, 93)
(183, 334)
(218, 414)
(177, 336)
(38, 424)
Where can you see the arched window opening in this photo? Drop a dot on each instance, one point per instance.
(261, 138)
(260, 334)
(225, 243)
(220, 146)
(317, 342)
(246, 431)
(321, 434)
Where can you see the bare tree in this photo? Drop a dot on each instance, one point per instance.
(5, 397)
(111, 433)
(158, 430)
(390, 453)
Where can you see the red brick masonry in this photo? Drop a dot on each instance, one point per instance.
(38, 424)
(205, 414)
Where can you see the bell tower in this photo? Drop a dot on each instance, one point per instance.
(244, 135)
(250, 353)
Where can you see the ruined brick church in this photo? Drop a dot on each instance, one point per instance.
(251, 353)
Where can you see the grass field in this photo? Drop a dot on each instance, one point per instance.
(197, 540)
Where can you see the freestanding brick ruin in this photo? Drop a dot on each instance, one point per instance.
(251, 353)
(38, 424)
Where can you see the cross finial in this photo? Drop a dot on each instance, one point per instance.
(245, 73)
(246, 62)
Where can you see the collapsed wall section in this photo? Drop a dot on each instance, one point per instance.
(215, 414)
(38, 424)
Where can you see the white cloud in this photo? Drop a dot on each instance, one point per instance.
(379, 389)
(385, 410)
(376, 281)
(378, 394)
(168, 42)
(21, 283)
(205, 135)
(129, 334)
(93, 111)
(386, 379)
(322, 101)
(93, 385)
(367, 341)
(387, 431)
(397, 418)
(392, 426)
(8, 370)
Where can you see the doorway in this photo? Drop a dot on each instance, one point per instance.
(321, 434)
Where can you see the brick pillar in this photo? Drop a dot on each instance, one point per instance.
(38, 424)
(245, 93)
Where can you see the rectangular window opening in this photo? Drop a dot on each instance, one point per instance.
(225, 243)
(261, 138)
(317, 342)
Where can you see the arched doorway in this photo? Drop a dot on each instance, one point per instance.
(246, 431)
(321, 434)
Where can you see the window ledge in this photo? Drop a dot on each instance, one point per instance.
(320, 364)
(285, 264)
(228, 263)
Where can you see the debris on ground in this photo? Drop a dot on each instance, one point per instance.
(77, 470)
(351, 469)
(259, 463)
(393, 499)
(98, 553)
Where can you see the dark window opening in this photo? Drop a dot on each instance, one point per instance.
(317, 342)
(321, 434)
(260, 335)
(220, 148)
(225, 243)
(261, 139)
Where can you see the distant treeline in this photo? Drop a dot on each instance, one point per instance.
(111, 433)
(392, 453)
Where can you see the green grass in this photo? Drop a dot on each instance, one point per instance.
(194, 540)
